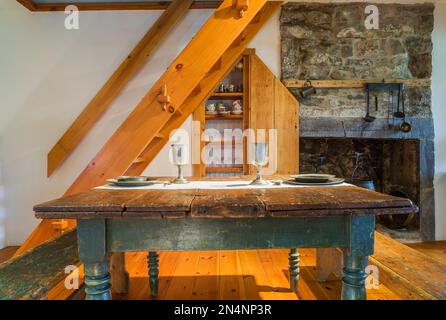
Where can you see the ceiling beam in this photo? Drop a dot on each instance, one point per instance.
(98, 6)
(28, 4)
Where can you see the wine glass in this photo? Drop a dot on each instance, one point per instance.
(260, 160)
(179, 158)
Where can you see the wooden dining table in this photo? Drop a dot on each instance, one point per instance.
(121, 220)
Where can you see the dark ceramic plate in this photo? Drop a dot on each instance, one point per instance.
(330, 182)
(312, 178)
(132, 181)
(131, 178)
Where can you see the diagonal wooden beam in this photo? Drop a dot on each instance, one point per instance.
(224, 16)
(98, 6)
(181, 78)
(125, 72)
(207, 86)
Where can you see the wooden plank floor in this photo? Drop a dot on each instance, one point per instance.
(244, 274)
(434, 249)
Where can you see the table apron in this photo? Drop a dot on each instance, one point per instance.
(232, 234)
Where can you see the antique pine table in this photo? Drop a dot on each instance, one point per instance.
(114, 221)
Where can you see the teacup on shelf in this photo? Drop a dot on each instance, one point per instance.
(237, 107)
(211, 109)
(221, 108)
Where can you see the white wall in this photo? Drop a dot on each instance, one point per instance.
(439, 114)
(48, 75)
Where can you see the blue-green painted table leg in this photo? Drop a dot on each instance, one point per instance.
(91, 242)
(361, 233)
(153, 272)
(97, 281)
(294, 269)
(353, 281)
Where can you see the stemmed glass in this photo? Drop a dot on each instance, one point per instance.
(260, 160)
(179, 158)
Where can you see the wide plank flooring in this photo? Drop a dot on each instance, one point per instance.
(244, 274)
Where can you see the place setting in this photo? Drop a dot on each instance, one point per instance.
(314, 179)
(179, 155)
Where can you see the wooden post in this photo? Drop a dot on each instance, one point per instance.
(119, 275)
(328, 261)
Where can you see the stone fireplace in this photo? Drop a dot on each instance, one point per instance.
(330, 42)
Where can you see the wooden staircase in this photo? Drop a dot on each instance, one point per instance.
(186, 84)
(117, 81)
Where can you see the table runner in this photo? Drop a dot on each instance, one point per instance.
(214, 185)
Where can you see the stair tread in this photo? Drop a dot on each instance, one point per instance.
(416, 267)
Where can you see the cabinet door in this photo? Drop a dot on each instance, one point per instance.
(272, 106)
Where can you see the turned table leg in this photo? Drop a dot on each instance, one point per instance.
(353, 281)
(294, 269)
(361, 233)
(97, 280)
(91, 242)
(152, 260)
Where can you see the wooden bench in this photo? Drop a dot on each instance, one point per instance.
(32, 274)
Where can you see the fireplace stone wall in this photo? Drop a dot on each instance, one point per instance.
(323, 41)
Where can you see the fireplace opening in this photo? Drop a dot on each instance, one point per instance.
(390, 166)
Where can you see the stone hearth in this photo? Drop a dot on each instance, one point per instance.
(330, 42)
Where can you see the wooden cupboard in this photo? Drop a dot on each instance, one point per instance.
(267, 104)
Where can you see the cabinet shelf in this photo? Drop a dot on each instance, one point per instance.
(226, 95)
(225, 117)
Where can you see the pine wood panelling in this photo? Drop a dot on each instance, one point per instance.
(273, 107)
(125, 72)
(286, 111)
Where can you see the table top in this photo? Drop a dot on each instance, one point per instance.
(239, 203)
